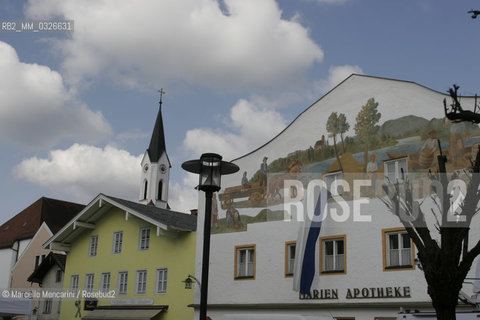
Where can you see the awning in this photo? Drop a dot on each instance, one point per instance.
(15, 306)
(120, 314)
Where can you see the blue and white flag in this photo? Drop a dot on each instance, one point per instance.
(305, 262)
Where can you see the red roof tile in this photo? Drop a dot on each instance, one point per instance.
(55, 213)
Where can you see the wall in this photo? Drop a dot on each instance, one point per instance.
(177, 254)
(407, 114)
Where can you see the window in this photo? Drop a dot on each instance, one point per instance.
(74, 282)
(58, 276)
(38, 260)
(89, 282)
(105, 282)
(160, 190)
(145, 189)
(122, 282)
(161, 280)
(47, 306)
(117, 242)
(92, 246)
(144, 239)
(245, 262)
(332, 254)
(332, 180)
(141, 282)
(289, 258)
(398, 249)
(396, 170)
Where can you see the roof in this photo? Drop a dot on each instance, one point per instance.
(157, 143)
(173, 219)
(51, 260)
(130, 312)
(24, 225)
(165, 220)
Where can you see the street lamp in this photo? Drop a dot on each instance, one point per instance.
(189, 281)
(210, 168)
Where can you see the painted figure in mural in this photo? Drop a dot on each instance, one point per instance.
(430, 146)
(214, 211)
(431, 143)
(233, 217)
(458, 135)
(473, 153)
(263, 173)
(245, 183)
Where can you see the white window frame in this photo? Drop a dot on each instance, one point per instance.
(122, 282)
(396, 176)
(93, 246)
(74, 279)
(332, 181)
(290, 249)
(144, 239)
(141, 282)
(335, 262)
(105, 281)
(245, 262)
(47, 306)
(161, 280)
(89, 281)
(117, 242)
(402, 254)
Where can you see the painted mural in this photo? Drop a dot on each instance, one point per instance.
(377, 150)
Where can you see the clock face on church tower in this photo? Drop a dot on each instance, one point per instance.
(145, 168)
(163, 168)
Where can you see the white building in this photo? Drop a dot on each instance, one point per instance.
(364, 261)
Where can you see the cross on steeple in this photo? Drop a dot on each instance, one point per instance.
(161, 94)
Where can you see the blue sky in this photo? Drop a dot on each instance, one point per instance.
(77, 109)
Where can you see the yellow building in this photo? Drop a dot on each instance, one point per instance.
(137, 255)
(127, 260)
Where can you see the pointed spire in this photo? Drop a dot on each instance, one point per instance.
(157, 142)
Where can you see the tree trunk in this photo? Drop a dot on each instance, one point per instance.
(365, 158)
(444, 285)
(343, 144)
(336, 153)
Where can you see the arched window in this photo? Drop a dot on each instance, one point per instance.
(160, 190)
(145, 188)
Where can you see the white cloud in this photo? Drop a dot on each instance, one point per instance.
(151, 42)
(336, 75)
(37, 110)
(83, 171)
(251, 126)
(330, 1)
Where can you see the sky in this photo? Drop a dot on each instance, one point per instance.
(77, 108)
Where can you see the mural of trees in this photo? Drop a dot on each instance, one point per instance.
(343, 127)
(333, 129)
(366, 126)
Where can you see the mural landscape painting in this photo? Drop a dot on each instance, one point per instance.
(379, 151)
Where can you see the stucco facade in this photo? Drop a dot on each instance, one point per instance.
(170, 251)
(30, 258)
(364, 263)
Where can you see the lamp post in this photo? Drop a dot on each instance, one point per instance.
(210, 168)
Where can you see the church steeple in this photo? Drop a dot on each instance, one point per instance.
(157, 142)
(155, 166)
